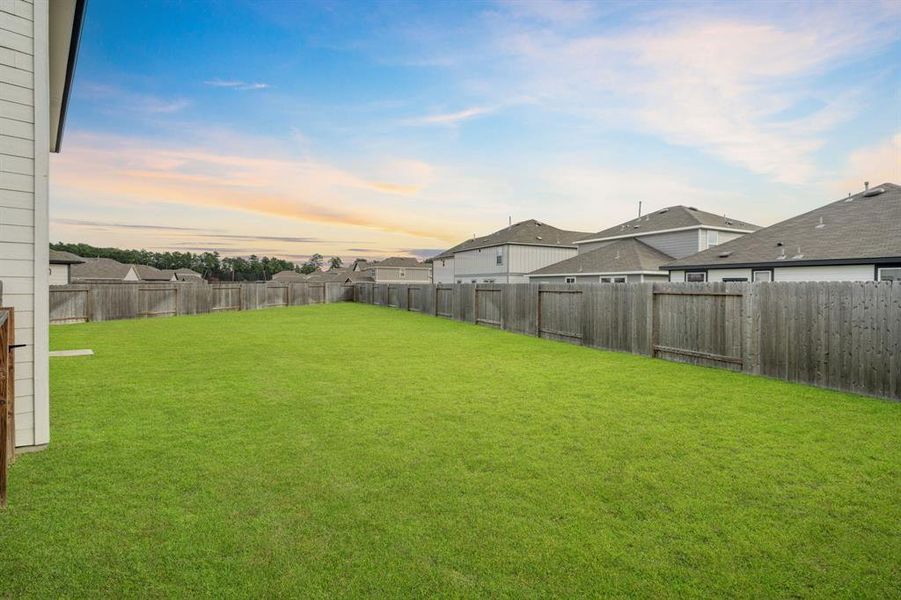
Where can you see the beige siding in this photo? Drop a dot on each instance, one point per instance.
(402, 274)
(826, 273)
(59, 274)
(17, 198)
(443, 270)
(525, 259)
(720, 274)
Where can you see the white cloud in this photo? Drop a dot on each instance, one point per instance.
(236, 85)
(879, 163)
(451, 118)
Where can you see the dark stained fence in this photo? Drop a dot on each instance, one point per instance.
(838, 335)
(129, 300)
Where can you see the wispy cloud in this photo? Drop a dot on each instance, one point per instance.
(879, 163)
(236, 85)
(451, 118)
(120, 100)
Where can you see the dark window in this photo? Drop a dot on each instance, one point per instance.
(696, 277)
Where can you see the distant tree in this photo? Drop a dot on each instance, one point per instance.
(335, 262)
(312, 265)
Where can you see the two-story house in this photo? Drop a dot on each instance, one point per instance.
(507, 255)
(397, 269)
(635, 251)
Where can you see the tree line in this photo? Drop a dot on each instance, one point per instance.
(209, 264)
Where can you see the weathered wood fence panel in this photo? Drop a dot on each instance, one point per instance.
(839, 335)
(108, 301)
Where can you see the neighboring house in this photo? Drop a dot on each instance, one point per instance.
(103, 270)
(189, 275)
(60, 267)
(289, 276)
(397, 269)
(152, 274)
(857, 238)
(635, 250)
(338, 276)
(622, 261)
(507, 255)
(38, 47)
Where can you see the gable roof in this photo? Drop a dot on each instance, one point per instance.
(622, 256)
(531, 233)
(289, 276)
(395, 261)
(60, 257)
(865, 227)
(100, 268)
(671, 217)
(148, 273)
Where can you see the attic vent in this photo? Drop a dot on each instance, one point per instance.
(820, 225)
(636, 226)
(798, 255)
(725, 254)
(660, 212)
(728, 222)
(693, 208)
(873, 192)
(537, 237)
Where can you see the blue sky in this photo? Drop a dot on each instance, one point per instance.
(375, 129)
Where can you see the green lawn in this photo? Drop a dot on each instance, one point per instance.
(351, 450)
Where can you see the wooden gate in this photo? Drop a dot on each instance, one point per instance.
(7, 397)
(700, 326)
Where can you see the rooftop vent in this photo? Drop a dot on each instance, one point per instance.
(778, 244)
(726, 254)
(537, 237)
(693, 208)
(798, 255)
(660, 212)
(820, 225)
(873, 192)
(781, 256)
(636, 226)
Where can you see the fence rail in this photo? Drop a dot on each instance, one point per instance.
(78, 303)
(838, 335)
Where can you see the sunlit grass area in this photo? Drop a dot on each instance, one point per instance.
(351, 450)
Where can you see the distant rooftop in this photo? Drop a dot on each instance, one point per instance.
(671, 217)
(531, 232)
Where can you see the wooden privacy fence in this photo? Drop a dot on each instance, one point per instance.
(7, 397)
(838, 335)
(77, 303)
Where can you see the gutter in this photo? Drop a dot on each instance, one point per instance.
(787, 263)
(77, 24)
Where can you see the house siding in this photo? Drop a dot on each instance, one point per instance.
(24, 143)
(677, 244)
(59, 275)
(826, 273)
(392, 275)
(443, 270)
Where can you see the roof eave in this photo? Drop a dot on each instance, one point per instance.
(788, 263)
(68, 76)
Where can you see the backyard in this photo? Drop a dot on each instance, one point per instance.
(353, 450)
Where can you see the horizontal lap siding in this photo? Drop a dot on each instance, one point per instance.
(17, 196)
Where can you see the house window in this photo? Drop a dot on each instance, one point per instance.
(570, 280)
(402, 273)
(613, 280)
(888, 274)
(713, 238)
(757, 276)
(696, 277)
(499, 258)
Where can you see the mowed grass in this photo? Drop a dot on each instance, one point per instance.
(350, 450)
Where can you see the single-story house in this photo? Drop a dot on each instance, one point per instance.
(60, 267)
(339, 276)
(189, 275)
(103, 270)
(857, 238)
(397, 269)
(289, 276)
(148, 273)
(627, 260)
(507, 255)
(38, 50)
(633, 251)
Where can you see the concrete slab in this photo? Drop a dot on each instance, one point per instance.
(84, 352)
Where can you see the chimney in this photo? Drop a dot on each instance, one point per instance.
(866, 185)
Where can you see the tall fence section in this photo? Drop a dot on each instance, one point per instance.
(7, 397)
(838, 335)
(78, 303)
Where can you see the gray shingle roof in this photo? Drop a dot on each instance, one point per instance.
(531, 232)
(148, 273)
(672, 217)
(860, 227)
(289, 276)
(394, 261)
(100, 268)
(59, 257)
(622, 256)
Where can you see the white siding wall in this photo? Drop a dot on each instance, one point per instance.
(479, 264)
(677, 276)
(24, 144)
(59, 274)
(827, 273)
(411, 275)
(525, 259)
(443, 270)
(518, 261)
(677, 244)
(720, 274)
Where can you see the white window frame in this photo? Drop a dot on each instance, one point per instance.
(879, 271)
(688, 275)
(715, 235)
(612, 279)
(769, 276)
(499, 257)
(569, 280)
